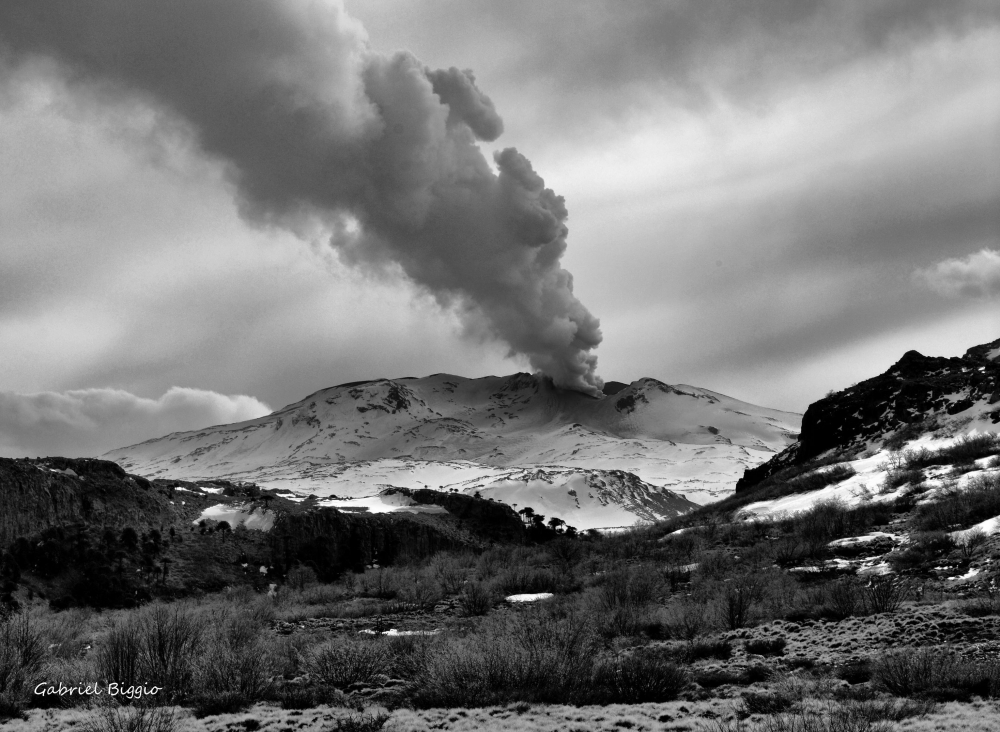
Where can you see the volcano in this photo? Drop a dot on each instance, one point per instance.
(648, 450)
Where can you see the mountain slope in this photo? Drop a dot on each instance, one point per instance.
(489, 435)
(918, 396)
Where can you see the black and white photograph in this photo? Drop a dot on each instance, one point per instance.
(486, 365)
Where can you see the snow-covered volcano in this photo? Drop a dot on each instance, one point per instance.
(638, 453)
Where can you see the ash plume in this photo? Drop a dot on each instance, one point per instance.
(315, 127)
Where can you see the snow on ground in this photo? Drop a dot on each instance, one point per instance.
(870, 474)
(387, 503)
(968, 575)
(866, 539)
(529, 597)
(393, 632)
(989, 526)
(245, 514)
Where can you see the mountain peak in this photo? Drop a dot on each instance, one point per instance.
(492, 434)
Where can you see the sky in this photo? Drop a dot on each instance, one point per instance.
(205, 215)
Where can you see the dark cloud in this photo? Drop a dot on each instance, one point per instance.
(570, 55)
(315, 127)
(92, 421)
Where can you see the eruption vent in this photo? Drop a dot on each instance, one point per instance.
(316, 127)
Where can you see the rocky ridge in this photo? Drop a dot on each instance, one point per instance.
(916, 395)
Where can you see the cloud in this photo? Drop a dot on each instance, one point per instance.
(89, 422)
(977, 275)
(316, 129)
(572, 57)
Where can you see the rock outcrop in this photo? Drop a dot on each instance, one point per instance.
(915, 393)
(37, 494)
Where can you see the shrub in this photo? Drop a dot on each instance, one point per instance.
(22, 655)
(857, 672)
(844, 598)
(449, 572)
(156, 645)
(344, 661)
(684, 619)
(842, 716)
(531, 656)
(421, 590)
(978, 501)
(232, 671)
(477, 598)
(718, 648)
(625, 598)
(971, 542)
(939, 674)
(306, 697)
(519, 580)
(922, 553)
(410, 654)
(711, 678)
(143, 717)
(986, 603)
(214, 703)
(965, 450)
(738, 600)
(902, 476)
(885, 594)
(361, 722)
(763, 703)
(903, 435)
(301, 576)
(637, 679)
(766, 647)
(381, 583)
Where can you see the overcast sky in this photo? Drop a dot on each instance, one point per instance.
(770, 199)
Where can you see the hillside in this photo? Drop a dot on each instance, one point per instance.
(85, 532)
(646, 451)
(919, 398)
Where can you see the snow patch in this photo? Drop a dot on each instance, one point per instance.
(989, 526)
(383, 503)
(392, 632)
(968, 575)
(529, 597)
(246, 514)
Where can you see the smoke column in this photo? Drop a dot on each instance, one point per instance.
(314, 126)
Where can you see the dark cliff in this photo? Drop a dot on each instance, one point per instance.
(914, 391)
(50, 492)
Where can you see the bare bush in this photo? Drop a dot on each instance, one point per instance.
(344, 661)
(420, 589)
(382, 583)
(971, 542)
(449, 572)
(530, 656)
(477, 598)
(156, 645)
(111, 716)
(638, 678)
(232, 670)
(22, 657)
(935, 673)
(685, 619)
(738, 599)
